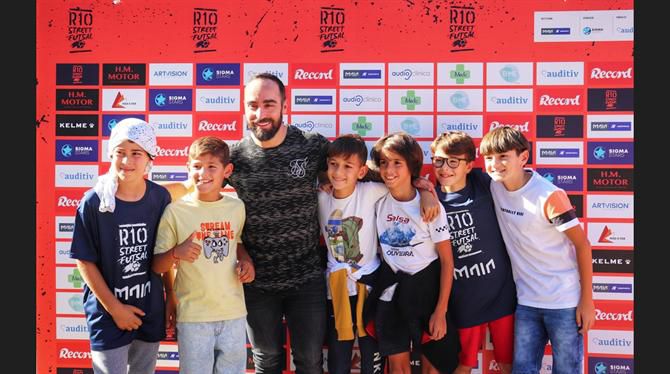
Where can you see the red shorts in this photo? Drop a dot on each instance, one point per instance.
(502, 335)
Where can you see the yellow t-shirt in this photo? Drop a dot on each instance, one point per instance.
(208, 289)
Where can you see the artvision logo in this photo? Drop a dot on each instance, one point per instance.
(331, 29)
(80, 29)
(205, 23)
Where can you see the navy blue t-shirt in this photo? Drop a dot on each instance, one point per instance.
(483, 288)
(121, 244)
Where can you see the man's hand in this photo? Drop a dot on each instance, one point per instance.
(126, 317)
(245, 270)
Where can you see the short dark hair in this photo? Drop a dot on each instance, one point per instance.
(209, 145)
(348, 145)
(404, 145)
(455, 143)
(503, 139)
(272, 77)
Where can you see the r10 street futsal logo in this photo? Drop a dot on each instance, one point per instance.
(331, 31)
(205, 23)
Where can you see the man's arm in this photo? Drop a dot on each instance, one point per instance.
(125, 316)
(245, 266)
(585, 309)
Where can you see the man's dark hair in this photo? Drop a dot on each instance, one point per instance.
(272, 77)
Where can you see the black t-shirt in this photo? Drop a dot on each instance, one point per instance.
(279, 189)
(483, 288)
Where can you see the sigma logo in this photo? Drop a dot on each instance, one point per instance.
(597, 73)
(204, 125)
(610, 365)
(520, 127)
(559, 101)
(68, 354)
(301, 74)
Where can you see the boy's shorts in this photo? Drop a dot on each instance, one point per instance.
(502, 335)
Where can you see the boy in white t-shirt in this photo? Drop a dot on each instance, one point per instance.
(550, 255)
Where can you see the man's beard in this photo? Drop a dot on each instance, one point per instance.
(265, 135)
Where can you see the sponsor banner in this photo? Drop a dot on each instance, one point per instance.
(217, 74)
(280, 70)
(411, 74)
(610, 153)
(70, 302)
(610, 74)
(173, 151)
(613, 288)
(618, 179)
(610, 365)
(612, 261)
(172, 125)
(557, 126)
(460, 100)
(324, 124)
(64, 227)
(610, 206)
(410, 100)
(509, 100)
(610, 342)
(522, 122)
(227, 126)
(610, 99)
(67, 200)
(577, 202)
(585, 25)
(314, 75)
(76, 125)
(609, 126)
(63, 253)
(217, 100)
(76, 175)
(170, 99)
(124, 99)
(77, 74)
(169, 173)
(610, 234)
(469, 124)
(168, 356)
(110, 120)
(560, 73)
(560, 153)
(367, 126)
(419, 126)
(71, 328)
(427, 154)
(361, 100)
(509, 73)
(569, 179)
(460, 74)
(74, 371)
(171, 74)
(362, 74)
(559, 100)
(124, 74)
(74, 353)
(69, 278)
(615, 314)
(77, 99)
(76, 150)
(313, 100)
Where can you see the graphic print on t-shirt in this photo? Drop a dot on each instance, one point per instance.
(343, 238)
(215, 238)
(132, 248)
(463, 232)
(399, 236)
